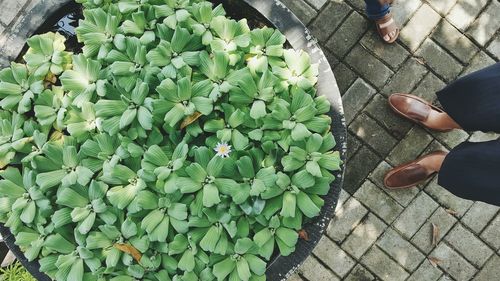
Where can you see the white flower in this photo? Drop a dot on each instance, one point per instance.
(222, 149)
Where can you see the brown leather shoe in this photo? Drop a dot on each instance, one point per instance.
(410, 174)
(415, 109)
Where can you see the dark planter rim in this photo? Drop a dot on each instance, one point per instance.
(299, 37)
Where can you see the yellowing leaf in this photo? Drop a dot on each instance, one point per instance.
(190, 119)
(129, 249)
(435, 234)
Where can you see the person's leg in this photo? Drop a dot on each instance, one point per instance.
(472, 171)
(375, 10)
(379, 11)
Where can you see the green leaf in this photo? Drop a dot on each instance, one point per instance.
(289, 204)
(258, 109)
(210, 195)
(222, 269)
(210, 239)
(187, 261)
(313, 168)
(303, 179)
(306, 205)
(243, 269)
(76, 272)
(256, 265)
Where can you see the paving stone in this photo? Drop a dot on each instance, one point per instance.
(356, 98)
(378, 201)
(406, 78)
(440, 61)
(317, 4)
(494, 47)
(464, 13)
(481, 137)
(358, 4)
(369, 131)
(346, 219)
(369, 67)
(348, 34)
(332, 59)
(360, 165)
(333, 257)
(447, 199)
(490, 234)
(295, 277)
(329, 19)
(353, 144)
(393, 54)
(344, 76)
(479, 215)
(403, 10)
(313, 270)
(428, 87)
(301, 9)
(364, 236)
(415, 215)
(483, 28)
(410, 147)
(383, 266)
(480, 61)
(454, 41)
(435, 146)
(425, 272)
(419, 26)
(452, 263)
(343, 197)
(403, 197)
(400, 249)
(360, 273)
(451, 139)
(10, 9)
(472, 248)
(490, 271)
(380, 110)
(442, 6)
(423, 238)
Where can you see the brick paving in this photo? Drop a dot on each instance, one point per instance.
(378, 234)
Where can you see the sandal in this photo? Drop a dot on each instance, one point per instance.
(386, 26)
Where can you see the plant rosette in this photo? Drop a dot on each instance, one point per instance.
(179, 145)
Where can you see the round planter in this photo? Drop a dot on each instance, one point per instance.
(270, 13)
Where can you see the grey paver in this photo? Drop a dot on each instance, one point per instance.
(313, 270)
(360, 165)
(334, 257)
(447, 199)
(370, 68)
(393, 54)
(346, 219)
(354, 144)
(403, 10)
(378, 201)
(383, 266)
(442, 6)
(329, 19)
(471, 247)
(452, 263)
(364, 236)
(303, 10)
(360, 273)
(406, 78)
(439, 60)
(451, 139)
(426, 272)
(419, 26)
(479, 215)
(415, 215)
(487, 24)
(454, 41)
(410, 147)
(491, 270)
(369, 131)
(423, 238)
(400, 249)
(355, 98)
(295, 277)
(490, 233)
(480, 61)
(348, 34)
(379, 109)
(317, 4)
(464, 13)
(428, 87)
(494, 47)
(345, 77)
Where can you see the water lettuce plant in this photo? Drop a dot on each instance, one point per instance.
(180, 144)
